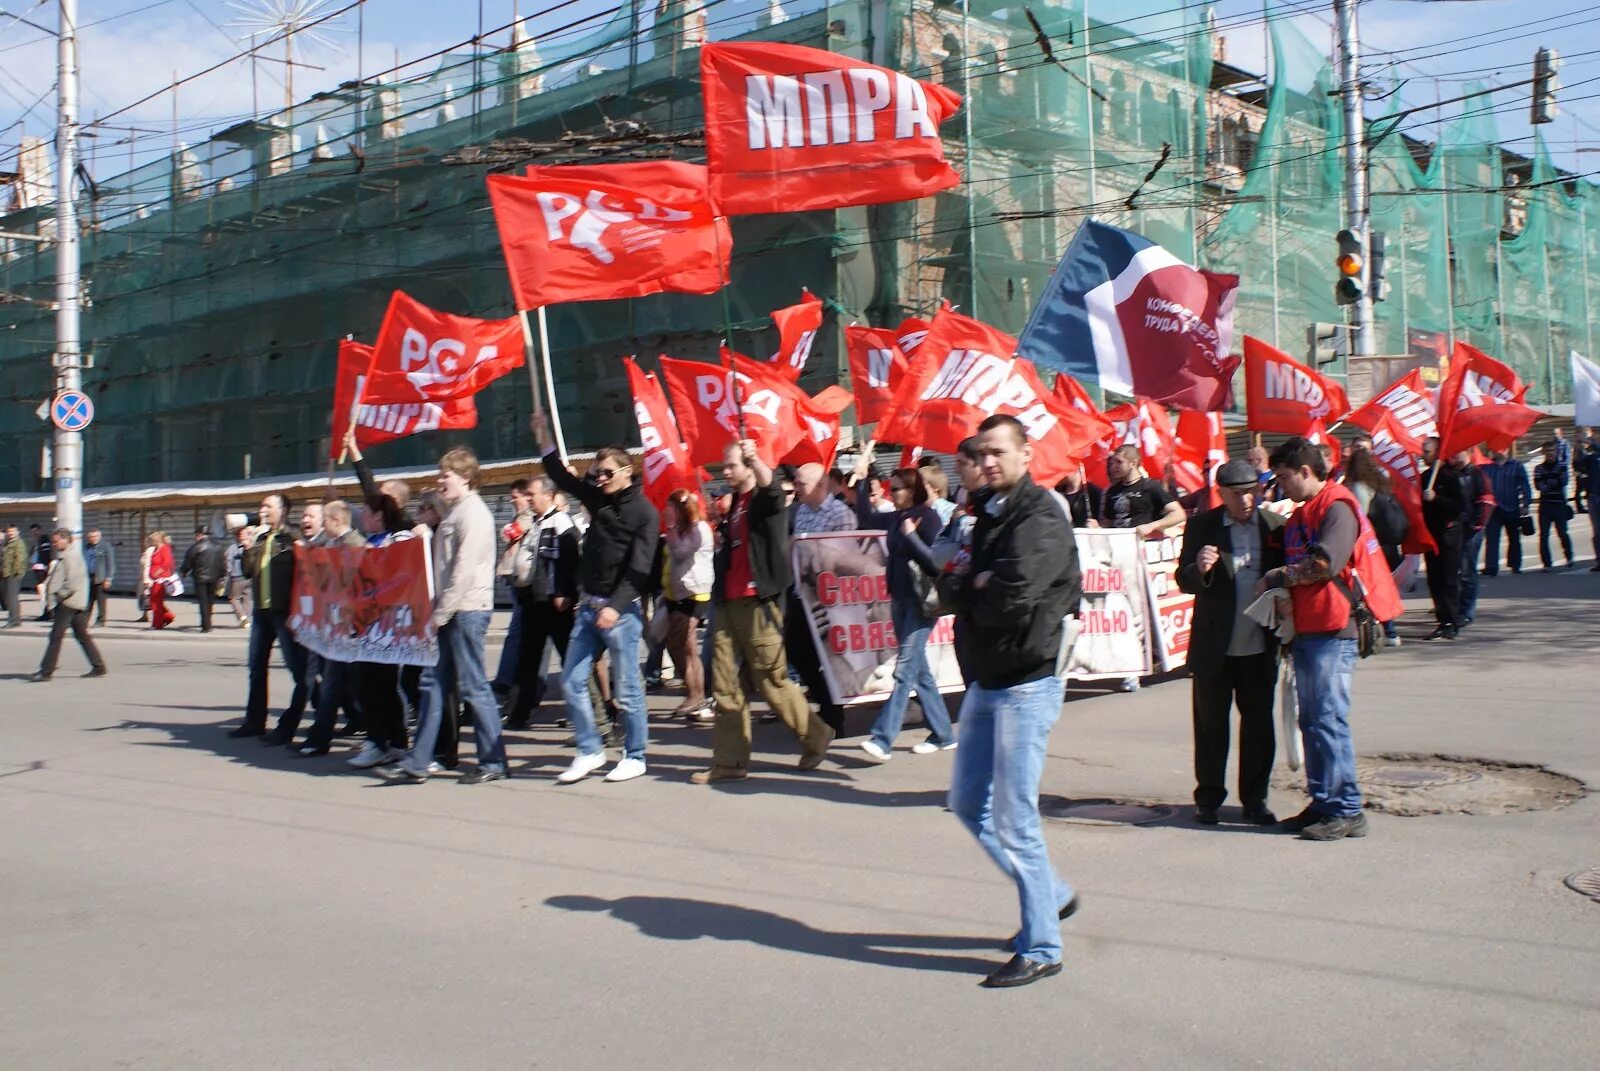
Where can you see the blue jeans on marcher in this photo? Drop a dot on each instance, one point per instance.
(505, 675)
(1471, 551)
(1323, 666)
(994, 791)
(912, 673)
(622, 640)
(460, 667)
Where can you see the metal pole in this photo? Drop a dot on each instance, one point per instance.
(68, 452)
(1588, 315)
(1088, 111)
(1355, 165)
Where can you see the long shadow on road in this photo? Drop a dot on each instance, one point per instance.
(672, 918)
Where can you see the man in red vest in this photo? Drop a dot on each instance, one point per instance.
(1332, 559)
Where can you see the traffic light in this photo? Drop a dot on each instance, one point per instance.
(1546, 65)
(1347, 291)
(1376, 283)
(1326, 343)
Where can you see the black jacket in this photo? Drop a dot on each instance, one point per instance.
(1215, 602)
(280, 573)
(203, 561)
(1444, 512)
(896, 549)
(621, 544)
(769, 545)
(1016, 618)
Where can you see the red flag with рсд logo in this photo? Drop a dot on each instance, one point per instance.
(717, 404)
(962, 374)
(1480, 401)
(876, 367)
(797, 333)
(795, 129)
(667, 467)
(424, 355)
(1283, 395)
(382, 423)
(595, 232)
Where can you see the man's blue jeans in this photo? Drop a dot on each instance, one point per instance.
(1471, 551)
(1323, 666)
(994, 791)
(622, 640)
(460, 667)
(912, 673)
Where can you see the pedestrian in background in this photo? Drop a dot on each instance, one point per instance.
(544, 578)
(162, 573)
(690, 572)
(238, 583)
(1587, 462)
(1550, 480)
(101, 562)
(66, 599)
(203, 565)
(1513, 501)
(13, 567)
(143, 601)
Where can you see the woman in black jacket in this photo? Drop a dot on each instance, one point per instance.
(912, 513)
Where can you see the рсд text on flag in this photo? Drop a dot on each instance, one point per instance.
(1283, 395)
(667, 467)
(797, 333)
(594, 232)
(876, 368)
(795, 129)
(1123, 311)
(1480, 401)
(711, 400)
(423, 355)
(382, 423)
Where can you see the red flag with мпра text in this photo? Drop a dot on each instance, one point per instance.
(1411, 403)
(1395, 450)
(595, 232)
(423, 354)
(797, 333)
(877, 366)
(667, 467)
(1283, 395)
(1480, 401)
(795, 129)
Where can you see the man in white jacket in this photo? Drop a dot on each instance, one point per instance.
(463, 567)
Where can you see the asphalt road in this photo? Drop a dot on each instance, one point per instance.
(170, 898)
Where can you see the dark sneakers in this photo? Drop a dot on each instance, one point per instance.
(1336, 828)
(1206, 816)
(1258, 815)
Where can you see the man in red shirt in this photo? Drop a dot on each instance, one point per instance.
(753, 575)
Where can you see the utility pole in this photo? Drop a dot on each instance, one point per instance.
(68, 359)
(1357, 221)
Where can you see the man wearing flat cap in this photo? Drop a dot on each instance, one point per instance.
(1233, 660)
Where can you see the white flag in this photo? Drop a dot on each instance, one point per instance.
(1585, 392)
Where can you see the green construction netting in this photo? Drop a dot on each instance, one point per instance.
(223, 274)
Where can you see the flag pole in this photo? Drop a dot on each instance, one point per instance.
(733, 374)
(355, 406)
(550, 382)
(529, 357)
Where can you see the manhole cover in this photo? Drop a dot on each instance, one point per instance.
(1586, 883)
(1411, 785)
(1103, 812)
(1417, 776)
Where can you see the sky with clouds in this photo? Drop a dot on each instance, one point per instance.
(131, 48)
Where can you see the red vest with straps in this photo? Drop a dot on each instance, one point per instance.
(1322, 607)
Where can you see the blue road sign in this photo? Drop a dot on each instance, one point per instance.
(72, 410)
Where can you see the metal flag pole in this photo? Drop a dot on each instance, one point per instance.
(550, 382)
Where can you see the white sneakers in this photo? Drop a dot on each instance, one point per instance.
(875, 751)
(928, 747)
(626, 770)
(584, 765)
(372, 755)
(1391, 641)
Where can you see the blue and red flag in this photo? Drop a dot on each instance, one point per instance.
(1125, 312)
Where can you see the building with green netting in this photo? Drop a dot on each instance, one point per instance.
(223, 275)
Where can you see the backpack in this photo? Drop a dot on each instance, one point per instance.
(1389, 521)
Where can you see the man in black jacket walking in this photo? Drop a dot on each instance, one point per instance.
(269, 563)
(618, 555)
(753, 575)
(202, 563)
(1442, 508)
(1021, 585)
(1226, 551)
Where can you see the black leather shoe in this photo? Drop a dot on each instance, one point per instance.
(39, 678)
(98, 671)
(1020, 970)
(243, 731)
(277, 738)
(481, 776)
(1305, 818)
(1206, 816)
(1258, 815)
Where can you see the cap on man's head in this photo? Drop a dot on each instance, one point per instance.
(1236, 474)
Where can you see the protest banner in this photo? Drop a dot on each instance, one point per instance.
(1171, 609)
(366, 604)
(1114, 640)
(844, 588)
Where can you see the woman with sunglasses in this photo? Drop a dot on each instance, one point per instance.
(908, 494)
